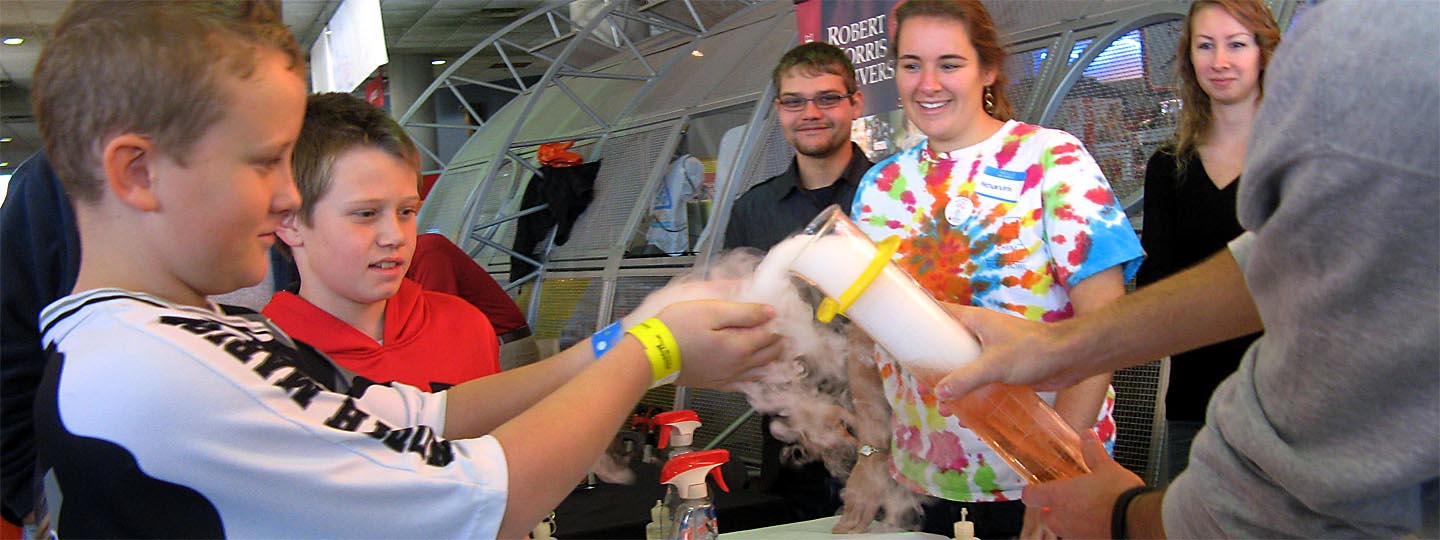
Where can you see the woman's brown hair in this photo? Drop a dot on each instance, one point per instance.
(1196, 115)
(983, 35)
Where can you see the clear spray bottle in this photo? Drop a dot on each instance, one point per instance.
(695, 516)
(677, 431)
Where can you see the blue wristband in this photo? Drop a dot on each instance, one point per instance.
(607, 338)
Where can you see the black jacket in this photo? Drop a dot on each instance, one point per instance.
(41, 245)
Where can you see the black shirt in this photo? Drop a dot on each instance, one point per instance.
(1186, 221)
(781, 206)
(763, 216)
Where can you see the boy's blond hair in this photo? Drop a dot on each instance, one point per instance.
(146, 67)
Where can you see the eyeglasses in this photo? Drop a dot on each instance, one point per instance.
(823, 101)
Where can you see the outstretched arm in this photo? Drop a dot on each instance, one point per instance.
(720, 343)
(477, 407)
(1205, 304)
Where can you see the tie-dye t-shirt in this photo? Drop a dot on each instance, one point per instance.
(1009, 224)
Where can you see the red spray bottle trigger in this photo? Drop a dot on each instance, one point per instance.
(680, 425)
(687, 472)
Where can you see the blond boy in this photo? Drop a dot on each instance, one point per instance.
(171, 126)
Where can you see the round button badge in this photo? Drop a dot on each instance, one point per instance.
(958, 210)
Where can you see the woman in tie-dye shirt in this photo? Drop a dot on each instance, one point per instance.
(993, 213)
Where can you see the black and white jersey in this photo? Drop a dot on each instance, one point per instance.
(160, 420)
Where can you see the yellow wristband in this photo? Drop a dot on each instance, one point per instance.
(660, 349)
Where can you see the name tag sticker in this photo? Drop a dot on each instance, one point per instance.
(1000, 184)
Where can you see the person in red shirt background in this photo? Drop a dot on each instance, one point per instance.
(439, 265)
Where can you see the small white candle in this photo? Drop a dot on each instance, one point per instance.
(964, 530)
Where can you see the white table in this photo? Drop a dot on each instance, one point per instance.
(819, 529)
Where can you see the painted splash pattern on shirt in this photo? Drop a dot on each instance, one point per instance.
(1009, 224)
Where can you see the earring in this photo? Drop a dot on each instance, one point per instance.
(989, 101)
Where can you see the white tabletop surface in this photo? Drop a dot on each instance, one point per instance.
(819, 529)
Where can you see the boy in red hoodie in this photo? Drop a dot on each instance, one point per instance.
(353, 239)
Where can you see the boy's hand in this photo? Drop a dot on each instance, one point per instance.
(721, 343)
(1012, 350)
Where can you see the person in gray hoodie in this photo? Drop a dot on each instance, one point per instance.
(1331, 426)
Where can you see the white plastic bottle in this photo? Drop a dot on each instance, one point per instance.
(965, 529)
(695, 515)
(659, 522)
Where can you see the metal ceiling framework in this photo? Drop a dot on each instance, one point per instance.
(599, 33)
(641, 129)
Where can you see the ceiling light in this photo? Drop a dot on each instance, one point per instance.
(4, 163)
(437, 62)
(6, 139)
(13, 40)
(696, 53)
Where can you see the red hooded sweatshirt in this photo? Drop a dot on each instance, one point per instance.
(432, 340)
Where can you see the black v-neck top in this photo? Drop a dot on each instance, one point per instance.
(1186, 221)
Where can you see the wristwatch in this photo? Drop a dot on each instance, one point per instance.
(867, 450)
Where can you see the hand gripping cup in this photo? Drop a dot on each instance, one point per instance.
(884, 301)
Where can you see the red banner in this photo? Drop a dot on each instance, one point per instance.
(375, 91)
(807, 20)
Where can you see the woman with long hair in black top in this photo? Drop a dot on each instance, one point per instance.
(1191, 182)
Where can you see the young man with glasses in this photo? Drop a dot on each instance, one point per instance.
(818, 100)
